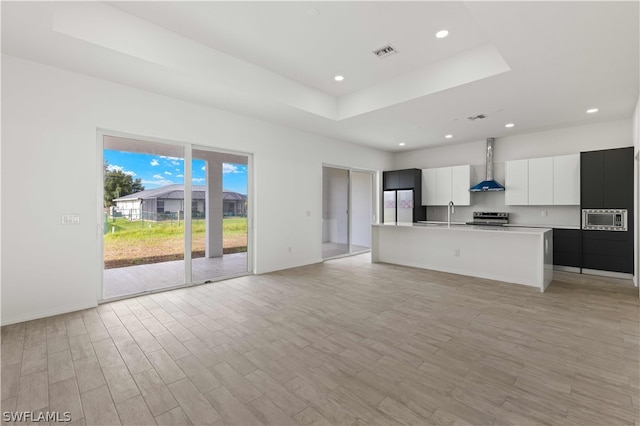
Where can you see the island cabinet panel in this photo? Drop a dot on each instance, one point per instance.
(516, 182)
(443, 184)
(567, 247)
(566, 180)
(541, 181)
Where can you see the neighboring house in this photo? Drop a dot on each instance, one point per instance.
(167, 201)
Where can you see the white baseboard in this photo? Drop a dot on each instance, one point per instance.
(607, 274)
(47, 313)
(566, 269)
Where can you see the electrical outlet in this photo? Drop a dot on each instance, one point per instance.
(543, 213)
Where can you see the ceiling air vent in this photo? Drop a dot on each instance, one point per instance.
(477, 117)
(385, 51)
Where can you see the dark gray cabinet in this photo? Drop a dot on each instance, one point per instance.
(567, 245)
(606, 182)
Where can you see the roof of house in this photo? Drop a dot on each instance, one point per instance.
(176, 192)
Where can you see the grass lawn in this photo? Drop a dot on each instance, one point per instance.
(137, 242)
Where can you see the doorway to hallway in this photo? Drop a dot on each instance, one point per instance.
(347, 211)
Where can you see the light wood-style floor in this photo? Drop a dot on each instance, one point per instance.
(342, 342)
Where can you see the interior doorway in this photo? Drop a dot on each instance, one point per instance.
(347, 211)
(172, 215)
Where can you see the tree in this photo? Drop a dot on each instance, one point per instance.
(118, 184)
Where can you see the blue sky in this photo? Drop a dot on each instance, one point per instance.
(156, 170)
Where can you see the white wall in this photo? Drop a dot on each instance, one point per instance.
(50, 167)
(569, 140)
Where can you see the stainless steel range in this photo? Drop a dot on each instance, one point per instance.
(490, 218)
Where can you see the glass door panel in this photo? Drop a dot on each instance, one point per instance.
(335, 212)
(361, 210)
(219, 207)
(143, 241)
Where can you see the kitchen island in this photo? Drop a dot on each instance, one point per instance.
(510, 254)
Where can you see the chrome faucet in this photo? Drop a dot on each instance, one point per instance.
(450, 210)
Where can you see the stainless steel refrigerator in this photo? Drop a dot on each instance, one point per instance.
(398, 206)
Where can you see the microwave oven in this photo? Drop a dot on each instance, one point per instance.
(604, 219)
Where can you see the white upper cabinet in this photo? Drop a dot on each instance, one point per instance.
(460, 183)
(444, 184)
(516, 176)
(541, 181)
(429, 187)
(566, 180)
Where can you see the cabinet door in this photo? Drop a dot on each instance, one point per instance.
(566, 180)
(618, 178)
(516, 182)
(429, 185)
(541, 181)
(443, 189)
(391, 180)
(591, 180)
(460, 183)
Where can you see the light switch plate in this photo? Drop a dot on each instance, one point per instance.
(70, 219)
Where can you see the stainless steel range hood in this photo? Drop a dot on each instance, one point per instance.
(489, 184)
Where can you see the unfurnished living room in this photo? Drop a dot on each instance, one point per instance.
(310, 213)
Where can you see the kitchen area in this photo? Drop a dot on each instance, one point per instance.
(571, 212)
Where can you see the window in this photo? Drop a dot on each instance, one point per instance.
(159, 206)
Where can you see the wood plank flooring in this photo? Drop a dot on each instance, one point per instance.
(343, 342)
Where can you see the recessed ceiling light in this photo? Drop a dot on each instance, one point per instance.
(402, 144)
(442, 34)
(448, 136)
(338, 78)
(592, 110)
(509, 125)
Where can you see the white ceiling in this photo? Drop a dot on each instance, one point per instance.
(535, 64)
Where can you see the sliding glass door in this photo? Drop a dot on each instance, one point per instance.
(347, 211)
(150, 214)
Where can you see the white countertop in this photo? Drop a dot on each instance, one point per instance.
(468, 228)
(520, 225)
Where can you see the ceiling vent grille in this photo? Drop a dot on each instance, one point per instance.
(477, 117)
(385, 51)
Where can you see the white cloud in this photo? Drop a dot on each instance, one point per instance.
(204, 168)
(116, 168)
(232, 168)
(179, 175)
(196, 180)
(167, 173)
(158, 177)
(154, 162)
(158, 182)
